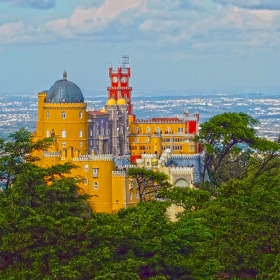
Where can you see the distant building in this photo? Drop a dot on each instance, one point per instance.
(106, 142)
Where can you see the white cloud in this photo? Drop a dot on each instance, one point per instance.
(194, 24)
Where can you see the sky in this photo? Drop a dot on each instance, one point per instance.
(172, 44)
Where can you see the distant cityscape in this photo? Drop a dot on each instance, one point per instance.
(17, 111)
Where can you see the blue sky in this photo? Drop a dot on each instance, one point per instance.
(176, 44)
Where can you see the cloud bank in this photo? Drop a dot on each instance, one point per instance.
(37, 4)
(193, 25)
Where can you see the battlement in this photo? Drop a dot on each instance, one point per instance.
(43, 93)
(159, 121)
(185, 156)
(51, 154)
(182, 170)
(148, 156)
(105, 157)
(119, 173)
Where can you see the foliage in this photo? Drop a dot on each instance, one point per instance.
(245, 222)
(224, 159)
(188, 198)
(148, 182)
(48, 230)
(17, 149)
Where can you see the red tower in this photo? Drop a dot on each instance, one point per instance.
(120, 82)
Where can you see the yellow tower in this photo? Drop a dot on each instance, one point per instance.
(62, 115)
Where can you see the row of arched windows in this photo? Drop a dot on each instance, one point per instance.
(172, 139)
(142, 147)
(63, 114)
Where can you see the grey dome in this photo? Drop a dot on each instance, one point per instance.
(64, 91)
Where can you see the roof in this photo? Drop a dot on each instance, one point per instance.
(64, 91)
(96, 112)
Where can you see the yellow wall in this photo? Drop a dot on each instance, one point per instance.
(124, 193)
(144, 138)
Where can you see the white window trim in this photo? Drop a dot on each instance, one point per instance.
(63, 133)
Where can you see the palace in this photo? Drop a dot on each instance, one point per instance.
(105, 143)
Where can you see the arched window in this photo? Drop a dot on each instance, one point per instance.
(63, 115)
(86, 167)
(47, 114)
(80, 114)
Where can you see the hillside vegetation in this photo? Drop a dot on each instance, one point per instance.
(229, 228)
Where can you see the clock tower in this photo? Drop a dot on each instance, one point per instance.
(120, 83)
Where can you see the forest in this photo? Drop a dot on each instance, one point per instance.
(229, 227)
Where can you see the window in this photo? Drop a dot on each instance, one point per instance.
(158, 130)
(191, 148)
(147, 139)
(90, 143)
(95, 185)
(94, 172)
(168, 129)
(47, 114)
(47, 133)
(90, 132)
(131, 185)
(136, 139)
(63, 115)
(81, 144)
(137, 130)
(80, 114)
(180, 130)
(130, 196)
(63, 144)
(86, 167)
(86, 182)
(80, 133)
(148, 129)
(63, 133)
(137, 195)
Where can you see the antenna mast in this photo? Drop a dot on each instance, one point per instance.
(125, 61)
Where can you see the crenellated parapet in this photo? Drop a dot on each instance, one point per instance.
(105, 157)
(186, 157)
(182, 170)
(51, 154)
(145, 156)
(119, 174)
(140, 121)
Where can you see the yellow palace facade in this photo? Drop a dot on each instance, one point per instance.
(103, 144)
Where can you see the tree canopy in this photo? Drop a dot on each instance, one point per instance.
(224, 156)
(48, 230)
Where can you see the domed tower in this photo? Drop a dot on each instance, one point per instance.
(62, 114)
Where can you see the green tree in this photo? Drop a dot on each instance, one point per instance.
(189, 198)
(148, 182)
(17, 149)
(244, 221)
(43, 223)
(44, 215)
(224, 159)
